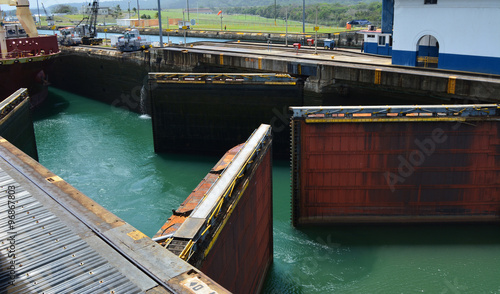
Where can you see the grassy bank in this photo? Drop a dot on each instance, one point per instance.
(243, 23)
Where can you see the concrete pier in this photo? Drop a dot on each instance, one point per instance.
(339, 76)
(342, 71)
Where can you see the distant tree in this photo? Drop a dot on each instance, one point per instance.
(328, 13)
(63, 8)
(118, 10)
(144, 16)
(156, 14)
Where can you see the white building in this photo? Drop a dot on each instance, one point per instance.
(449, 34)
(86, 9)
(376, 42)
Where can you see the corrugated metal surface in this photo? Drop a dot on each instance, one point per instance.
(396, 171)
(49, 257)
(64, 242)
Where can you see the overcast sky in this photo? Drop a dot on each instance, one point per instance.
(48, 3)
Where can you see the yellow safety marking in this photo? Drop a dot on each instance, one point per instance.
(231, 208)
(208, 227)
(378, 76)
(180, 82)
(299, 69)
(260, 62)
(427, 59)
(280, 83)
(402, 119)
(240, 33)
(222, 59)
(54, 179)
(167, 242)
(452, 81)
(186, 250)
(136, 235)
(218, 82)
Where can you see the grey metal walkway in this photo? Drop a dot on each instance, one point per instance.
(54, 239)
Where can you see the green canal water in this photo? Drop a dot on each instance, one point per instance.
(107, 153)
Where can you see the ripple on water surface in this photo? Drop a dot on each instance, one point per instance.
(108, 154)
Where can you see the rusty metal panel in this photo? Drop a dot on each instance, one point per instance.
(249, 234)
(234, 229)
(419, 170)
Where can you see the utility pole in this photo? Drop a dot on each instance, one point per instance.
(39, 18)
(129, 10)
(187, 6)
(316, 34)
(286, 27)
(159, 24)
(304, 16)
(221, 21)
(274, 12)
(139, 13)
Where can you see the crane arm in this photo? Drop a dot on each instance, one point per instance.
(9, 2)
(23, 13)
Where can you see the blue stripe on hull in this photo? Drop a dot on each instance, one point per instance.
(400, 57)
(374, 48)
(482, 64)
(490, 65)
